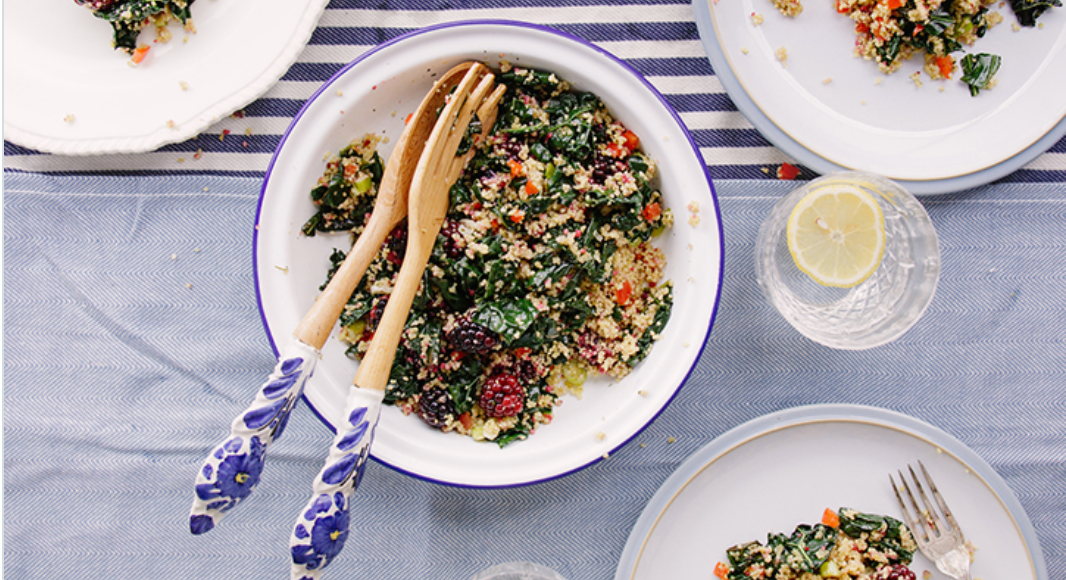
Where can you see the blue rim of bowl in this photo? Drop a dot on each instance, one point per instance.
(768, 129)
(795, 416)
(517, 24)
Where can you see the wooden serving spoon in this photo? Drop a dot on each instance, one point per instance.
(327, 513)
(232, 469)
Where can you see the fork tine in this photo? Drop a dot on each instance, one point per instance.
(940, 502)
(921, 523)
(907, 519)
(931, 515)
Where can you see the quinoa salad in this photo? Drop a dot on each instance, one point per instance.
(891, 32)
(846, 544)
(129, 17)
(544, 272)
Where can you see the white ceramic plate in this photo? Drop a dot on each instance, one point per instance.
(861, 119)
(375, 94)
(58, 61)
(783, 469)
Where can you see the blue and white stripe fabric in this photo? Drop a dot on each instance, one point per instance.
(132, 337)
(658, 38)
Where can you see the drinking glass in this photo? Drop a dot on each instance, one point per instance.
(882, 307)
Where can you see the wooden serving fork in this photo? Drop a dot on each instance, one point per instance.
(232, 469)
(322, 527)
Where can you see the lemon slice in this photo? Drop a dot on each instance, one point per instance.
(836, 234)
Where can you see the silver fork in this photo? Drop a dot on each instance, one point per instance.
(939, 538)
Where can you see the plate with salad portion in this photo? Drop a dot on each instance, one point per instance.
(817, 477)
(939, 96)
(88, 77)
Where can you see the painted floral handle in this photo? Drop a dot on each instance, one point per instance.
(231, 472)
(322, 527)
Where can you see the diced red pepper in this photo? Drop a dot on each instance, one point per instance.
(652, 211)
(632, 141)
(616, 150)
(531, 188)
(408, 119)
(787, 171)
(946, 64)
(516, 168)
(139, 53)
(466, 420)
(830, 518)
(721, 570)
(517, 216)
(622, 294)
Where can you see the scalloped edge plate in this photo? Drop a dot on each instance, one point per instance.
(58, 62)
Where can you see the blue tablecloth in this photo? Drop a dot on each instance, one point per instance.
(132, 337)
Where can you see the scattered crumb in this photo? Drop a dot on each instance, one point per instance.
(877, 81)
(756, 18)
(284, 269)
(827, 80)
(600, 435)
(181, 160)
(917, 78)
(248, 131)
(174, 257)
(765, 170)
(670, 439)
(189, 286)
(694, 207)
(340, 93)
(1015, 27)
(171, 124)
(642, 446)
(606, 455)
(941, 89)
(69, 118)
(789, 7)
(197, 250)
(184, 85)
(782, 55)
(642, 393)
(926, 575)
(222, 135)
(862, 102)
(744, 50)
(199, 153)
(1040, 25)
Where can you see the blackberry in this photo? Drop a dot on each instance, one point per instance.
(511, 147)
(450, 232)
(376, 311)
(436, 407)
(396, 244)
(472, 338)
(604, 167)
(502, 396)
(900, 572)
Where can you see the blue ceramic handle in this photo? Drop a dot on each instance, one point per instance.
(231, 472)
(322, 527)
